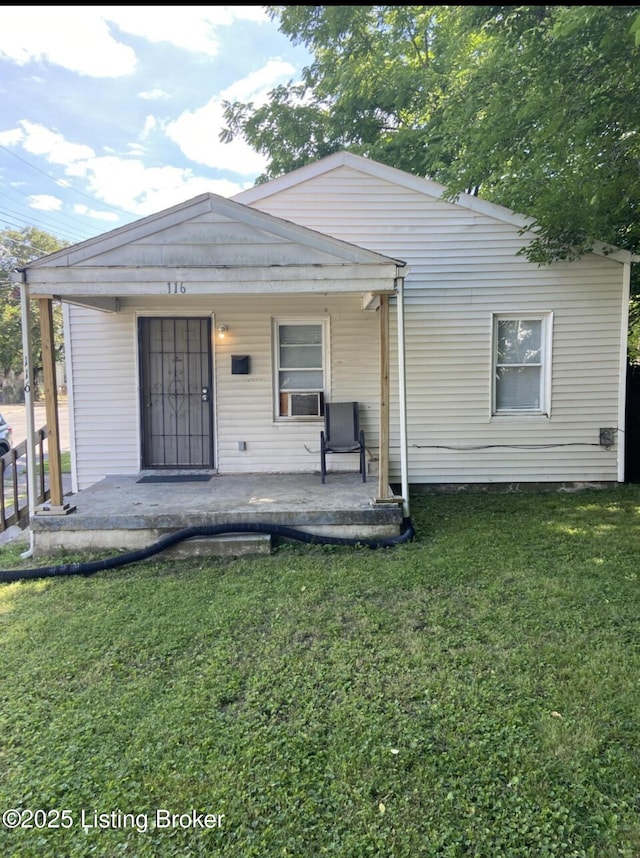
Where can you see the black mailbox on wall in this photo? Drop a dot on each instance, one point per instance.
(240, 364)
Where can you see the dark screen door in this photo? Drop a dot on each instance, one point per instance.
(177, 415)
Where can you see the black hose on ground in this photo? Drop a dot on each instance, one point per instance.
(171, 539)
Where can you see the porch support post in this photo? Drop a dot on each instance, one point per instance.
(383, 453)
(32, 491)
(56, 505)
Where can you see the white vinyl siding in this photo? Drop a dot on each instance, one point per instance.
(107, 407)
(101, 361)
(464, 267)
(245, 404)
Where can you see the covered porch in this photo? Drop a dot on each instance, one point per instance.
(209, 337)
(127, 512)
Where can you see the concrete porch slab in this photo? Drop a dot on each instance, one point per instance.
(121, 513)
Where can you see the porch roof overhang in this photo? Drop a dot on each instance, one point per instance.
(72, 283)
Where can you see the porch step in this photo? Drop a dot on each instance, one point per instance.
(229, 545)
(225, 545)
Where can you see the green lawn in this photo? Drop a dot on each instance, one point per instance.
(65, 463)
(473, 693)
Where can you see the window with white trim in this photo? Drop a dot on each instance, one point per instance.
(299, 360)
(521, 364)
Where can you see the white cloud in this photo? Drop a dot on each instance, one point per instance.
(83, 210)
(124, 183)
(256, 86)
(38, 140)
(74, 37)
(44, 202)
(150, 124)
(11, 137)
(92, 40)
(83, 38)
(190, 27)
(129, 185)
(197, 132)
(154, 95)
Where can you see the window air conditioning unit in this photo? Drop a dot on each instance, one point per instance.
(305, 404)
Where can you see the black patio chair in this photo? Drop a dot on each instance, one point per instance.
(342, 434)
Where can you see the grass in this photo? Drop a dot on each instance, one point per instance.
(65, 463)
(472, 693)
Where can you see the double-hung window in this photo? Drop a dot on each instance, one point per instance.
(521, 364)
(299, 359)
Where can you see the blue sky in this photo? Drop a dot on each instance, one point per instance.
(111, 113)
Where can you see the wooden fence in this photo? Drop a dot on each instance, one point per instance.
(14, 481)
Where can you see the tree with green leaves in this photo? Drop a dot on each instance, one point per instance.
(536, 108)
(17, 249)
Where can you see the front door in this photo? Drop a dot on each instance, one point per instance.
(177, 412)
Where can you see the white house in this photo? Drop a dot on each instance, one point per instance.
(514, 373)
(210, 335)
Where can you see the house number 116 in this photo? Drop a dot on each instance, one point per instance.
(176, 288)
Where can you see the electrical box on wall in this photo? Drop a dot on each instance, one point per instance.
(240, 364)
(607, 437)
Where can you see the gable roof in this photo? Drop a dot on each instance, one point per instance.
(210, 245)
(272, 228)
(412, 182)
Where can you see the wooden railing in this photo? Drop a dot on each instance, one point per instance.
(14, 481)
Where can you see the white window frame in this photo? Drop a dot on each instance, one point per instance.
(323, 323)
(546, 335)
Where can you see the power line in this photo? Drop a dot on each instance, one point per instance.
(17, 220)
(65, 186)
(16, 247)
(23, 224)
(63, 221)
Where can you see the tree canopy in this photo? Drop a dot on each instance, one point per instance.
(17, 249)
(536, 108)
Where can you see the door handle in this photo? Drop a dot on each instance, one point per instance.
(205, 394)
